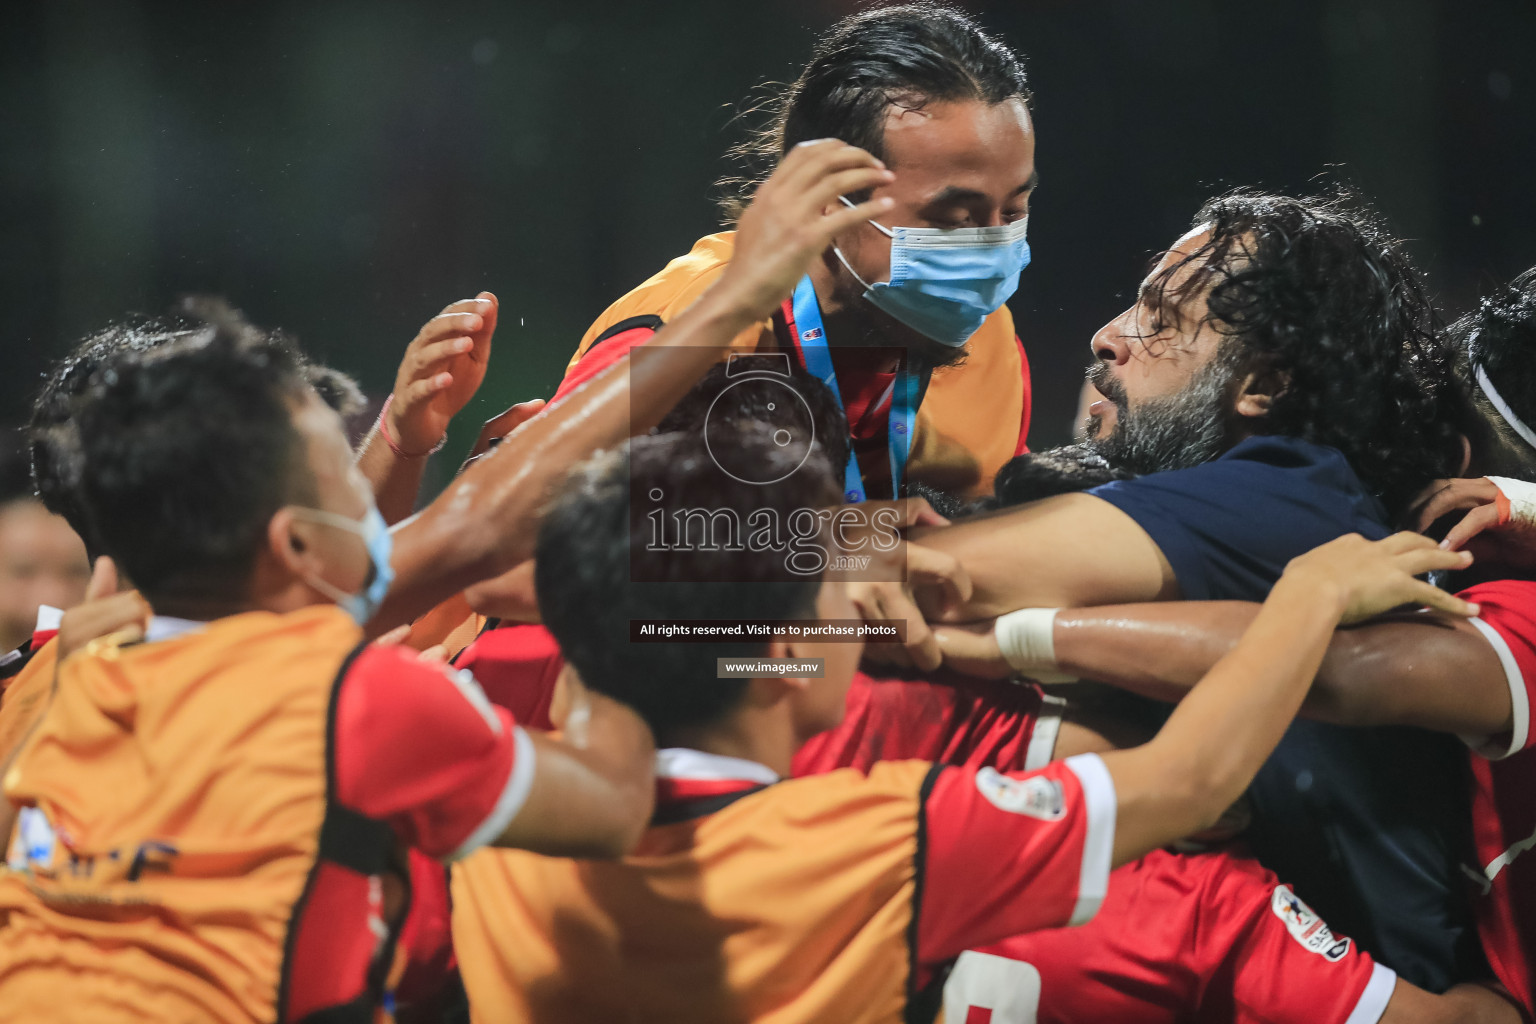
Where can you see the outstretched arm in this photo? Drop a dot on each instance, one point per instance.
(486, 521)
(1228, 724)
(1421, 669)
(1072, 550)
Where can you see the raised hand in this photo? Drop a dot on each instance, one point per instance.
(441, 371)
(103, 612)
(794, 216)
(1371, 577)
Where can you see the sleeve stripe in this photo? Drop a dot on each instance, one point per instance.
(1519, 701)
(1042, 739)
(1099, 843)
(513, 795)
(1373, 1001)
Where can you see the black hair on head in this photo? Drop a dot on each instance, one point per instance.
(52, 444)
(906, 54)
(187, 447)
(1498, 340)
(769, 389)
(600, 563)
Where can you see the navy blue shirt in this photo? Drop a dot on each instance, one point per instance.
(1368, 825)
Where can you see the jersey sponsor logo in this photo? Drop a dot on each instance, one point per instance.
(1306, 927)
(1035, 797)
(34, 840)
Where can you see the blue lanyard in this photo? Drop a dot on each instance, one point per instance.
(818, 362)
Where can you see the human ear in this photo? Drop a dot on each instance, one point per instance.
(1259, 390)
(286, 544)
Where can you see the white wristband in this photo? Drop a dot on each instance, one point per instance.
(1027, 642)
(1522, 498)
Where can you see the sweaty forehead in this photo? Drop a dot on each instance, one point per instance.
(1188, 244)
(988, 147)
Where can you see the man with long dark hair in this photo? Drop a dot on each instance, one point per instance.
(1475, 679)
(890, 308)
(1279, 381)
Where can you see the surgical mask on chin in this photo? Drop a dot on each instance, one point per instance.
(946, 281)
(375, 534)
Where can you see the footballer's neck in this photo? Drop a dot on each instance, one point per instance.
(764, 733)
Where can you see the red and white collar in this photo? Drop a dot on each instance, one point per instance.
(685, 763)
(684, 775)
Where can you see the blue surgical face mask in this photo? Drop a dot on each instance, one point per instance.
(375, 534)
(946, 281)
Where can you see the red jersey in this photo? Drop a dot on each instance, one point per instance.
(952, 720)
(1504, 795)
(1180, 939)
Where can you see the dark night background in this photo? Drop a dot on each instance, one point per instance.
(345, 169)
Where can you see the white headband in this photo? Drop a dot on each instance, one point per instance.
(1525, 432)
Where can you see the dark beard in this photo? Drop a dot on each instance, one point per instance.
(1177, 432)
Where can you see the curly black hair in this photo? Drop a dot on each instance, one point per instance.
(1316, 292)
(1498, 343)
(911, 54)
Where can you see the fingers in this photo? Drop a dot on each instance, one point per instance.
(1421, 560)
(836, 223)
(1473, 523)
(436, 352)
(1434, 597)
(813, 160)
(126, 614)
(103, 580)
(421, 390)
(488, 316)
(436, 654)
(1452, 495)
(828, 190)
(483, 303)
(891, 601)
(447, 325)
(1406, 540)
(508, 421)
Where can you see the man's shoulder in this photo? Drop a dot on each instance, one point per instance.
(1271, 462)
(886, 786)
(1284, 452)
(670, 290)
